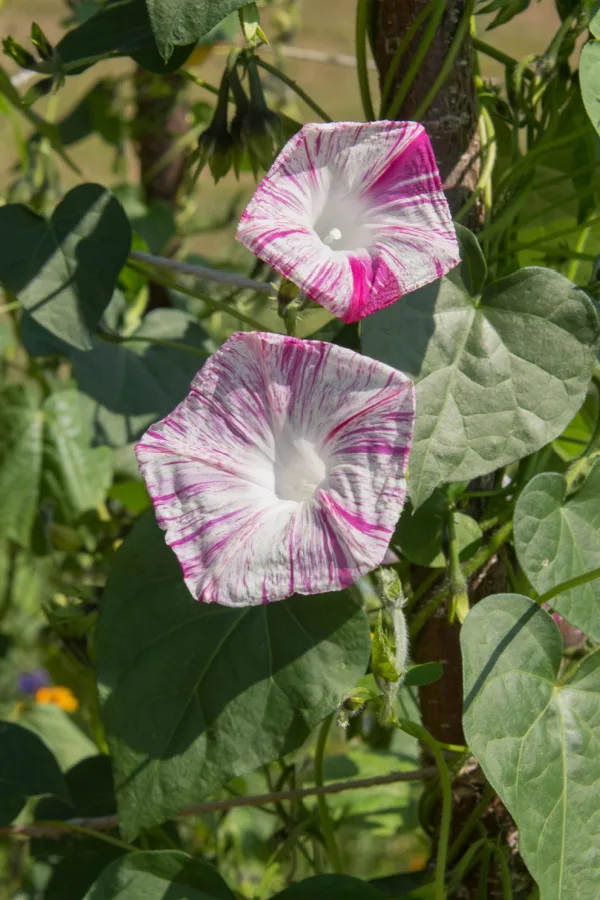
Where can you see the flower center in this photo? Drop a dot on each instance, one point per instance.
(341, 223)
(298, 470)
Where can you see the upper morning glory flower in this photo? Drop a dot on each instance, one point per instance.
(354, 215)
(283, 469)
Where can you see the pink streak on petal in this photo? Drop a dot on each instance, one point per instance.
(389, 169)
(217, 469)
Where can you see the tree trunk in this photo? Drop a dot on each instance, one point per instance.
(451, 120)
(451, 123)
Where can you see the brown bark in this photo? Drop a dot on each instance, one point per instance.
(451, 123)
(161, 120)
(451, 120)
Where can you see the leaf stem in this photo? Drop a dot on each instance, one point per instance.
(216, 275)
(326, 822)
(294, 87)
(568, 585)
(8, 307)
(442, 851)
(88, 832)
(199, 81)
(159, 342)
(216, 305)
(362, 11)
(471, 822)
(507, 892)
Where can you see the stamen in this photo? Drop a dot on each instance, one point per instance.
(332, 237)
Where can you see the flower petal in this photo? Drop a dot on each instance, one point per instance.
(283, 469)
(354, 214)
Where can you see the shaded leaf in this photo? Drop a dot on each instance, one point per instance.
(422, 533)
(536, 737)
(205, 688)
(330, 887)
(27, 769)
(122, 27)
(180, 22)
(45, 455)
(127, 386)
(498, 376)
(64, 270)
(154, 875)
(557, 538)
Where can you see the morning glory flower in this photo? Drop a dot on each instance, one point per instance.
(354, 215)
(282, 471)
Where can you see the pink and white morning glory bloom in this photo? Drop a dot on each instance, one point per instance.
(354, 215)
(282, 471)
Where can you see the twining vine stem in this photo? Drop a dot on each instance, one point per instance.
(106, 823)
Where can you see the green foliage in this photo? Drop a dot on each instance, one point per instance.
(330, 887)
(147, 876)
(557, 537)
(127, 386)
(179, 680)
(45, 457)
(121, 27)
(482, 363)
(27, 769)
(206, 735)
(180, 22)
(535, 733)
(64, 270)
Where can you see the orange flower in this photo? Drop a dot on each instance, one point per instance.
(59, 696)
(418, 862)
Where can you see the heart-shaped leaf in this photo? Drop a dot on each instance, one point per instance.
(536, 736)
(557, 539)
(27, 769)
(156, 875)
(64, 270)
(498, 375)
(45, 454)
(217, 691)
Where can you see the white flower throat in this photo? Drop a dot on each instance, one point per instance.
(299, 470)
(341, 224)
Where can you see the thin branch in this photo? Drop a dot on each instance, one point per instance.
(106, 823)
(240, 281)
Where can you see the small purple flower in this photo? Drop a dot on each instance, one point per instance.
(354, 215)
(282, 471)
(30, 682)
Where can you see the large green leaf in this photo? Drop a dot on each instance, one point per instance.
(536, 737)
(193, 695)
(180, 22)
(121, 27)
(27, 769)
(45, 454)
(330, 887)
(64, 270)
(498, 375)
(589, 80)
(159, 874)
(557, 538)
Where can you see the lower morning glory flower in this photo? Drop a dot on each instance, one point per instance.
(282, 471)
(354, 214)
